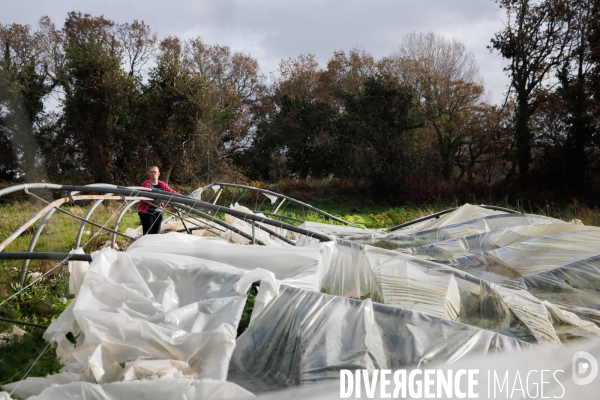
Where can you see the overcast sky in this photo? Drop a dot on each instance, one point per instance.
(272, 30)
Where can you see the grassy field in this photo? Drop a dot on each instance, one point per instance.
(46, 299)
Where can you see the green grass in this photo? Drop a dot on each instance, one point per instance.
(17, 357)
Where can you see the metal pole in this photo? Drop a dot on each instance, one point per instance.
(14, 321)
(32, 244)
(282, 197)
(118, 221)
(44, 256)
(87, 217)
(219, 222)
(439, 214)
(280, 203)
(157, 194)
(279, 216)
(173, 198)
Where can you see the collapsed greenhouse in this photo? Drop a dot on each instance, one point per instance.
(161, 319)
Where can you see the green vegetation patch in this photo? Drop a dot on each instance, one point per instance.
(29, 356)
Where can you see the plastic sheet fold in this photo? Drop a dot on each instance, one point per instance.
(300, 266)
(144, 315)
(305, 337)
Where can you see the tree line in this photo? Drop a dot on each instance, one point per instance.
(98, 101)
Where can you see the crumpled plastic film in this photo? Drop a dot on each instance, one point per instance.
(471, 227)
(419, 288)
(439, 290)
(197, 226)
(135, 308)
(535, 255)
(306, 337)
(466, 220)
(497, 238)
(466, 212)
(569, 325)
(300, 266)
(163, 389)
(344, 232)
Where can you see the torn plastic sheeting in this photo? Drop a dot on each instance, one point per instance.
(581, 274)
(535, 255)
(259, 234)
(492, 240)
(163, 389)
(199, 226)
(307, 337)
(299, 266)
(522, 371)
(272, 198)
(135, 307)
(466, 212)
(569, 325)
(415, 288)
(471, 227)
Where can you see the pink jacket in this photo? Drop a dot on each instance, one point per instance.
(143, 206)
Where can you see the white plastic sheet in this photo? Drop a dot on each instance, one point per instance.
(487, 241)
(144, 315)
(306, 337)
(163, 389)
(300, 266)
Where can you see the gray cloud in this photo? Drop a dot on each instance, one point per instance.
(272, 30)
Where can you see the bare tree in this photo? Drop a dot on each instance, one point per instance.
(446, 80)
(138, 42)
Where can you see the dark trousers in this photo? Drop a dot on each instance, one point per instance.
(151, 222)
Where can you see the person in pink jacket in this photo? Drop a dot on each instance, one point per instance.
(150, 215)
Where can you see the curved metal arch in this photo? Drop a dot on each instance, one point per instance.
(47, 211)
(83, 223)
(156, 194)
(54, 205)
(222, 223)
(118, 221)
(172, 198)
(439, 214)
(33, 242)
(268, 192)
(279, 216)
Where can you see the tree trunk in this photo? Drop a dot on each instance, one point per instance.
(523, 134)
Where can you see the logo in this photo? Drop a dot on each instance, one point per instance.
(585, 368)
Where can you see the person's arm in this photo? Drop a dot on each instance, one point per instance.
(166, 188)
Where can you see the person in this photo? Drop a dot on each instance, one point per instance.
(150, 215)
